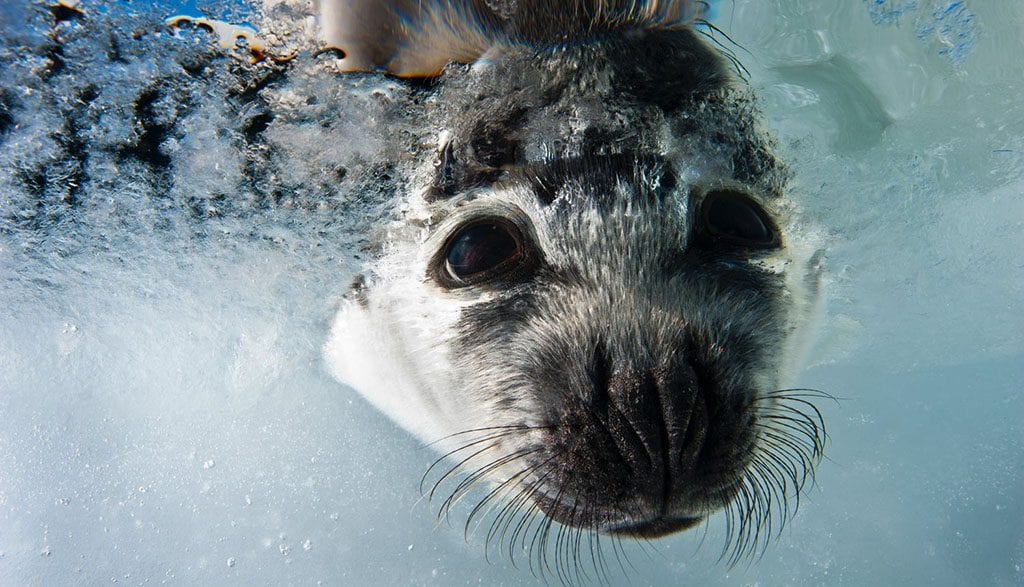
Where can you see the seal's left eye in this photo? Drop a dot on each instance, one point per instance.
(482, 251)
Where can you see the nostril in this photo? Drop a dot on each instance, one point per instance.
(636, 422)
(689, 449)
(685, 414)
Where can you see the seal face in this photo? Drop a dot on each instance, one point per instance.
(595, 288)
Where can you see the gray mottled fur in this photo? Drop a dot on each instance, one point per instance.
(626, 383)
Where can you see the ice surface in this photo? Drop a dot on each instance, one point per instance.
(164, 293)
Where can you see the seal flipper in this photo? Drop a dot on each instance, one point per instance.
(407, 38)
(418, 38)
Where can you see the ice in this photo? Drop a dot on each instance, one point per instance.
(164, 293)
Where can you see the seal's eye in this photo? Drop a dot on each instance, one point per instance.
(736, 219)
(481, 251)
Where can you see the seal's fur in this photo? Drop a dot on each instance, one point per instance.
(627, 376)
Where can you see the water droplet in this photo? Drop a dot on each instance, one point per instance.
(46, 551)
(248, 499)
(409, 547)
(307, 544)
(231, 561)
(284, 549)
(335, 517)
(209, 464)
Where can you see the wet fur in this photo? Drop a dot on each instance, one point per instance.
(416, 38)
(634, 382)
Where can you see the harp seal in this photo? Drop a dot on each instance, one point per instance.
(595, 288)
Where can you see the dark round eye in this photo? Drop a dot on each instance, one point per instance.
(737, 219)
(481, 251)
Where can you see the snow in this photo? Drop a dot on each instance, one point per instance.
(165, 416)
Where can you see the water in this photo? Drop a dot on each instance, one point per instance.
(166, 416)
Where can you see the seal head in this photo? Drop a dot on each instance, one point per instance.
(595, 288)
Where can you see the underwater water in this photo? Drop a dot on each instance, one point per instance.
(165, 416)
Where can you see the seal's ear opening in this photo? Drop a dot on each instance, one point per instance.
(418, 38)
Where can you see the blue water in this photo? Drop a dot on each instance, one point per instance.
(165, 416)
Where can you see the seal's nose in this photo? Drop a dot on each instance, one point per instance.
(656, 419)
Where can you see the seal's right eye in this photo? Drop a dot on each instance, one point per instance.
(736, 219)
(482, 251)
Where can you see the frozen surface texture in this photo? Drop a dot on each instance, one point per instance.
(176, 224)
